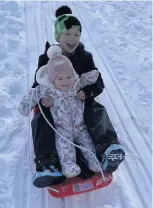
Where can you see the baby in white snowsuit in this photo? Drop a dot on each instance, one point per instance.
(59, 80)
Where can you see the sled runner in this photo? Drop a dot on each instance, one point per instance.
(76, 185)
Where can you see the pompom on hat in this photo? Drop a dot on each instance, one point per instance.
(57, 62)
(65, 20)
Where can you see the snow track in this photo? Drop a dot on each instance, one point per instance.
(24, 29)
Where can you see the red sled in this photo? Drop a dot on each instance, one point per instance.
(74, 186)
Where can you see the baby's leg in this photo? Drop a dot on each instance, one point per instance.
(67, 154)
(85, 141)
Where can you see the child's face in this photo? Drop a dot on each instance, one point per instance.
(69, 40)
(64, 80)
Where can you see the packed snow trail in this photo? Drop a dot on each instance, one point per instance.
(13, 69)
(24, 29)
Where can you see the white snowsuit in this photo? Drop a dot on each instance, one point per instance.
(68, 115)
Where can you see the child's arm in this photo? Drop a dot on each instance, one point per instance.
(91, 91)
(32, 98)
(88, 78)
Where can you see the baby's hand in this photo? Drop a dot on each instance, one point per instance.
(47, 102)
(81, 95)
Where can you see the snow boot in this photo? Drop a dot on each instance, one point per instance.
(112, 158)
(47, 177)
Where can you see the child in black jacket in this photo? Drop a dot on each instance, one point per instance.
(109, 151)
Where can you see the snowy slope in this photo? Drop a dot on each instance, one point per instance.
(119, 36)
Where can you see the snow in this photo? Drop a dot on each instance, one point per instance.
(119, 36)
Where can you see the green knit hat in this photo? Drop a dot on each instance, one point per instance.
(65, 21)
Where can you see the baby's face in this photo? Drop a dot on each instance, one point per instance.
(64, 80)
